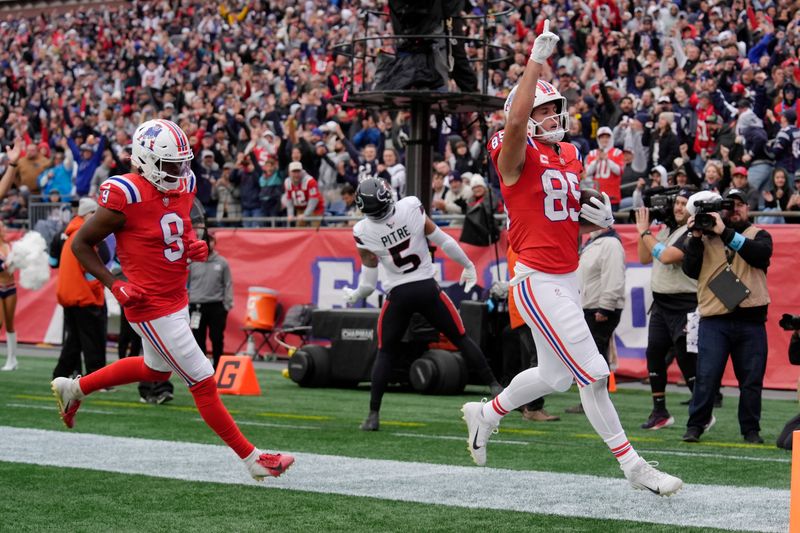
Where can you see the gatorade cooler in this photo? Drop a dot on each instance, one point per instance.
(261, 304)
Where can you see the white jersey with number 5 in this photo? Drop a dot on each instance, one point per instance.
(399, 242)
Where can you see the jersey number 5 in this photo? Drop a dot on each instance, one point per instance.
(558, 186)
(401, 261)
(172, 229)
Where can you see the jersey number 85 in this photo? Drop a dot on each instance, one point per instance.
(558, 186)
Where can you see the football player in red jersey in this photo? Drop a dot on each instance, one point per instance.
(148, 212)
(539, 182)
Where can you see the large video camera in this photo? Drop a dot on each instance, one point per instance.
(659, 202)
(790, 322)
(703, 209)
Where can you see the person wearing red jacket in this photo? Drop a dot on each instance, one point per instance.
(605, 165)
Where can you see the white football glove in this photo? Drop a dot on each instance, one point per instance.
(544, 44)
(599, 213)
(351, 296)
(469, 278)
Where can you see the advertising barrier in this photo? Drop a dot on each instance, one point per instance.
(312, 266)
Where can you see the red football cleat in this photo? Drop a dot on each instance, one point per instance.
(268, 464)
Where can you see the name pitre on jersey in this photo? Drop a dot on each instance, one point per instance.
(400, 243)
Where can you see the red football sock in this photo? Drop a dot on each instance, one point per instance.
(128, 370)
(218, 418)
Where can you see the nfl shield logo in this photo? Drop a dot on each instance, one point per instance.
(544, 159)
(166, 201)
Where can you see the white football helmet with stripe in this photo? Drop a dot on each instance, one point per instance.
(545, 93)
(162, 152)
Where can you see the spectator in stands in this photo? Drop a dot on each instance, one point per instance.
(604, 167)
(393, 172)
(58, 177)
(462, 160)
(327, 172)
(102, 173)
(30, 167)
(757, 157)
(577, 139)
(246, 176)
(794, 200)
(88, 158)
(739, 181)
(438, 194)
(207, 172)
(227, 195)
(457, 198)
(658, 178)
(349, 199)
(776, 198)
(785, 148)
(271, 184)
(303, 197)
(662, 142)
(614, 65)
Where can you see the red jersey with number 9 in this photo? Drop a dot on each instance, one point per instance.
(151, 246)
(543, 205)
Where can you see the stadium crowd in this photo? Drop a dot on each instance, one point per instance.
(701, 92)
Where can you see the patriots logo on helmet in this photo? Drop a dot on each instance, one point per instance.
(150, 134)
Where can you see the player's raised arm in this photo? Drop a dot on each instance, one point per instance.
(96, 228)
(451, 248)
(512, 154)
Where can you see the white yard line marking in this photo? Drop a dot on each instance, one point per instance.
(269, 424)
(452, 437)
(721, 506)
(55, 410)
(717, 456)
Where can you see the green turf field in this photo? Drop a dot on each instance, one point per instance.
(424, 429)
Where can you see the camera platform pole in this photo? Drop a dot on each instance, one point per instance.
(419, 155)
(421, 104)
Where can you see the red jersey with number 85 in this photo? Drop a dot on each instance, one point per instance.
(151, 246)
(543, 205)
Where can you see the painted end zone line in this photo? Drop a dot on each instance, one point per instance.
(743, 508)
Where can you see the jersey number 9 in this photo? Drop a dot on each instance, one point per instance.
(172, 229)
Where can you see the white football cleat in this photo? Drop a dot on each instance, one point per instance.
(644, 476)
(478, 431)
(68, 398)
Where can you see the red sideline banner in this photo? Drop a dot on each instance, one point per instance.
(308, 266)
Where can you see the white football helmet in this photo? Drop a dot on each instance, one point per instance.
(157, 142)
(545, 93)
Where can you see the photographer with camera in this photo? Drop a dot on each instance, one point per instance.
(674, 295)
(729, 258)
(790, 323)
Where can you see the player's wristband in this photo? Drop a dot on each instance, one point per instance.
(644, 233)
